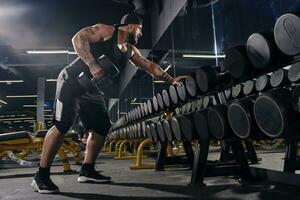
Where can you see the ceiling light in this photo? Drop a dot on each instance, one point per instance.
(11, 81)
(202, 56)
(50, 52)
(21, 96)
(29, 106)
(159, 82)
(170, 65)
(3, 102)
(133, 100)
(51, 80)
(134, 103)
(19, 118)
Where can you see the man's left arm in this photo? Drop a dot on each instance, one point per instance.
(152, 68)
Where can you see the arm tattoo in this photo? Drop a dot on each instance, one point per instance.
(82, 47)
(166, 77)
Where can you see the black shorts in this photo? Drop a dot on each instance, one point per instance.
(70, 98)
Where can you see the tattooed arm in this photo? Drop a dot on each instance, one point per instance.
(81, 43)
(153, 68)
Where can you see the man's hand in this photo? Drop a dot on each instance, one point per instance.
(96, 71)
(178, 79)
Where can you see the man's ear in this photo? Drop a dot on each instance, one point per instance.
(130, 26)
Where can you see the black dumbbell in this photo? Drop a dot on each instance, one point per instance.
(286, 33)
(263, 52)
(155, 104)
(153, 132)
(143, 129)
(294, 73)
(238, 64)
(249, 88)
(279, 78)
(218, 122)
(160, 101)
(208, 79)
(145, 108)
(241, 118)
(150, 107)
(148, 132)
(227, 94)
(160, 131)
(199, 103)
(167, 100)
(275, 114)
(110, 72)
(208, 101)
(262, 83)
(201, 125)
(237, 91)
(194, 105)
(176, 128)
(168, 130)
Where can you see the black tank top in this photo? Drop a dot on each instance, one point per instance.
(108, 48)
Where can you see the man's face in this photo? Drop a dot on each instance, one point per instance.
(134, 34)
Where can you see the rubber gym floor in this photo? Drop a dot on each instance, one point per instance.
(143, 184)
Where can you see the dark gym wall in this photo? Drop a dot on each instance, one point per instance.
(237, 19)
(30, 24)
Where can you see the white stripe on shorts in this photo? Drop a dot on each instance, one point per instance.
(58, 110)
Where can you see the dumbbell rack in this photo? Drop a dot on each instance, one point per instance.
(204, 168)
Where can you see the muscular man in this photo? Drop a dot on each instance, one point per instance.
(117, 43)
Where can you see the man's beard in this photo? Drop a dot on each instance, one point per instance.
(131, 39)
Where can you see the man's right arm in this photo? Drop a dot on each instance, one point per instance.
(81, 43)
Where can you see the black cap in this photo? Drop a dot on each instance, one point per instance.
(131, 19)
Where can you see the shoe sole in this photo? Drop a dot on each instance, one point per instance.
(36, 189)
(84, 179)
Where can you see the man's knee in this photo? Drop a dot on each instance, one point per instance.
(62, 128)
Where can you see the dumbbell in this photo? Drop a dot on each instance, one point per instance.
(150, 107)
(148, 132)
(286, 33)
(249, 88)
(160, 131)
(208, 101)
(262, 83)
(167, 129)
(199, 103)
(167, 100)
(279, 78)
(160, 101)
(138, 131)
(153, 132)
(208, 79)
(194, 105)
(263, 52)
(275, 112)
(146, 110)
(201, 124)
(182, 126)
(186, 91)
(294, 73)
(143, 129)
(237, 91)
(241, 118)
(139, 113)
(155, 104)
(89, 84)
(238, 64)
(176, 127)
(218, 122)
(227, 93)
